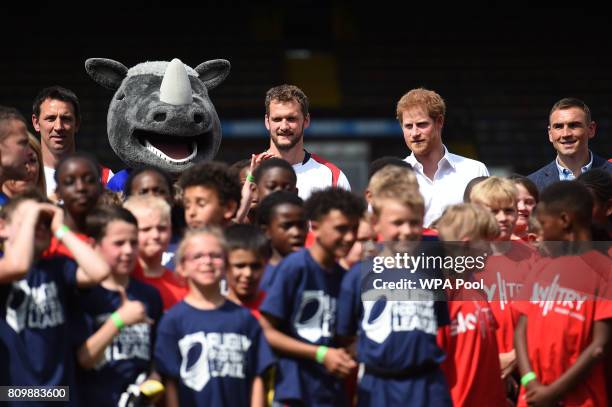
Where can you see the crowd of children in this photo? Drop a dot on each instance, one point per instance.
(233, 291)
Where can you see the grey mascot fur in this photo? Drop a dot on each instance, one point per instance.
(161, 114)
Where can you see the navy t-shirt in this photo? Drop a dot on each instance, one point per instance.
(266, 279)
(35, 331)
(131, 351)
(214, 355)
(303, 297)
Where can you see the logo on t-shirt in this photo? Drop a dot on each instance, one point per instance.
(33, 307)
(469, 321)
(133, 342)
(206, 355)
(381, 317)
(316, 316)
(562, 300)
(502, 290)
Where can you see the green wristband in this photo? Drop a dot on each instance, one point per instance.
(250, 178)
(61, 232)
(321, 352)
(529, 376)
(117, 320)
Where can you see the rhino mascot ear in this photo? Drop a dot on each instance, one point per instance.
(213, 72)
(106, 72)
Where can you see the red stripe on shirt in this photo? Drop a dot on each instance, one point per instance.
(334, 170)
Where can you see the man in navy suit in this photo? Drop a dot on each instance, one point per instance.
(569, 132)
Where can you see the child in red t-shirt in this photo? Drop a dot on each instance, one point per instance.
(248, 252)
(507, 267)
(565, 325)
(154, 233)
(469, 341)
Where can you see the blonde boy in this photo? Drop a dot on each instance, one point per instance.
(505, 271)
(469, 341)
(154, 233)
(499, 195)
(401, 362)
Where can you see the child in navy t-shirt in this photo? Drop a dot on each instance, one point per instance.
(282, 218)
(120, 313)
(33, 305)
(396, 334)
(299, 311)
(210, 351)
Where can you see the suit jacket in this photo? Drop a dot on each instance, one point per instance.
(550, 173)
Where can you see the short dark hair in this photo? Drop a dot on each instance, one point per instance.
(568, 196)
(287, 93)
(214, 175)
(382, 162)
(57, 93)
(127, 187)
(30, 194)
(9, 113)
(102, 215)
(266, 208)
(247, 237)
(568, 103)
(322, 202)
(470, 185)
(599, 182)
(527, 183)
(238, 166)
(79, 155)
(274, 163)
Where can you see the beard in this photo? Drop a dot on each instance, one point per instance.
(295, 138)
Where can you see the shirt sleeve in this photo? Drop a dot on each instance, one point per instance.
(279, 297)
(442, 314)
(483, 171)
(167, 355)
(343, 182)
(349, 302)
(261, 353)
(69, 270)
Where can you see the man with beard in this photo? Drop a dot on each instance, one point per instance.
(56, 115)
(286, 119)
(442, 176)
(14, 147)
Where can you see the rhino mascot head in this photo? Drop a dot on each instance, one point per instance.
(161, 114)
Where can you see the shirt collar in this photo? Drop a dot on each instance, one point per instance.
(447, 157)
(566, 175)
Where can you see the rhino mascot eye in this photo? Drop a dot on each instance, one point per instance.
(161, 114)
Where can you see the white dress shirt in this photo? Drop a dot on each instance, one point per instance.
(449, 182)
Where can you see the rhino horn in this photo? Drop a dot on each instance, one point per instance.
(175, 88)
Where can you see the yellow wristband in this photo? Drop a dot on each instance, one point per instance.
(527, 377)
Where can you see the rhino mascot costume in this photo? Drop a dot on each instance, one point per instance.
(161, 114)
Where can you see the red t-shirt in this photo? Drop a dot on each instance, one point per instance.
(471, 366)
(561, 312)
(57, 248)
(170, 286)
(504, 276)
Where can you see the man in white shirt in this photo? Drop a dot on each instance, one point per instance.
(56, 115)
(442, 176)
(286, 119)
